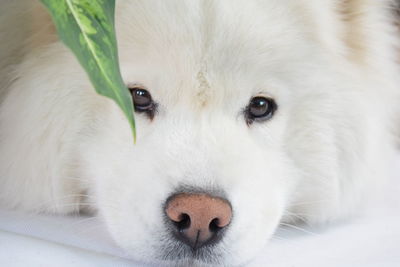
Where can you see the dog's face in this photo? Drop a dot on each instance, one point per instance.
(220, 92)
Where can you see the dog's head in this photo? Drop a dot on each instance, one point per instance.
(236, 102)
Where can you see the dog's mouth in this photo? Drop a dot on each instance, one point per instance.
(185, 256)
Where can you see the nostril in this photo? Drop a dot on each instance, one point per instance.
(183, 222)
(214, 225)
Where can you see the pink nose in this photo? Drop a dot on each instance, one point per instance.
(198, 218)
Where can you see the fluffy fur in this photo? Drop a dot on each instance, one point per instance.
(329, 64)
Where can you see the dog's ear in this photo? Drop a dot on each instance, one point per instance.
(365, 23)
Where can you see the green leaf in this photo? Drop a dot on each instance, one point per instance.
(87, 28)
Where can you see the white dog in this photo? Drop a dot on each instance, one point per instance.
(249, 113)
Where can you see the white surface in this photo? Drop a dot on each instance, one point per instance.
(368, 241)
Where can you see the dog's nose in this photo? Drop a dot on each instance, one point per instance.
(198, 219)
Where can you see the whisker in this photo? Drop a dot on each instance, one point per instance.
(308, 203)
(298, 228)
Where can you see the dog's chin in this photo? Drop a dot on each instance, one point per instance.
(193, 262)
(190, 261)
(177, 253)
(194, 259)
(174, 253)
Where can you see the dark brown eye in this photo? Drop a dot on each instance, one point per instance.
(143, 101)
(260, 109)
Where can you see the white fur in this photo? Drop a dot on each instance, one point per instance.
(335, 81)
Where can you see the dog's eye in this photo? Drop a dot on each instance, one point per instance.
(260, 109)
(143, 101)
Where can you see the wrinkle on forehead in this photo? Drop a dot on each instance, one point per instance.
(204, 88)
